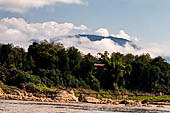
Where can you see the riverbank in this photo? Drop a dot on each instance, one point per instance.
(68, 96)
(17, 106)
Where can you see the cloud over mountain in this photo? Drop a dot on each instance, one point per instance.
(19, 32)
(105, 32)
(20, 6)
(122, 34)
(85, 45)
(102, 32)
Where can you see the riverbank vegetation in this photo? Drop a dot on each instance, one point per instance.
(46, 66)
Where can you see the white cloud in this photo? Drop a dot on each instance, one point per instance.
(82, 27)
(105, 32)
(21, 6)
(122, 34)
(17, 30)
(94, 47)
(102, 32)
(154, 49)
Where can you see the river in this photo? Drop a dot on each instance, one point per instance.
(15, 106)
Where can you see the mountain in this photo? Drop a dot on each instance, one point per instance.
(119, 41)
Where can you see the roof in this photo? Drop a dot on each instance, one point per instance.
(99, 65)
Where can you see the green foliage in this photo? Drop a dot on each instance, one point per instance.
(47, 65)
(6, 88)
(39, 87)
(114, 71)
(151, 98)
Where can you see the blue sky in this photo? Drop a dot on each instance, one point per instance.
(148, 20)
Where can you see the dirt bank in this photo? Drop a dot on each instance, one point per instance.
(67, 96)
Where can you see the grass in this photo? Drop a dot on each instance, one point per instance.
(151, 98)
(98, 94)
(6, 88)
(45, 88)
(41, 87)
(109, 94)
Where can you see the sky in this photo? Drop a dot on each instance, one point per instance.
(147, 21)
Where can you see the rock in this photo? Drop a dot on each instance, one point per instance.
(115, 102)
(145, 101)
(41, 99)
(34, 98)
(73, 96)
(48, 100)
(81, 97)
(138, 103)
(1, 92)
(40, 94)
(128, 102)
(124, 102)
(161, 106)
(24, 93)
(103, 101)
(66, 96)
(108, 101)
(91, 100)
(85, 98)
(30, 95)
(145, 105)
(24, 98)
(45, 99)
(16, 92)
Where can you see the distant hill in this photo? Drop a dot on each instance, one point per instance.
(117, 40)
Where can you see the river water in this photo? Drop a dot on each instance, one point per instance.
(15, 106)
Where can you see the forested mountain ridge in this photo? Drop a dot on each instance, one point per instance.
(52, 65)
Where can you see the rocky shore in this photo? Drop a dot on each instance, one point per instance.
(67, 96)
(18, 94)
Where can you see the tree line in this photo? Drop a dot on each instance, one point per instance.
(53, 65)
